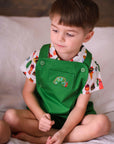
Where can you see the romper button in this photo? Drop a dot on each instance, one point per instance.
(82, 69)
(42, 63)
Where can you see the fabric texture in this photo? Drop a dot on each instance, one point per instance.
(59, 83)
(93, 83)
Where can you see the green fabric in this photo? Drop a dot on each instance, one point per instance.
(59, 121)
(59, 83)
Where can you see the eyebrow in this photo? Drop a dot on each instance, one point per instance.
(54, 25)
(70, 30)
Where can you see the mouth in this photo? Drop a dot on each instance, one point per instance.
(59, 45)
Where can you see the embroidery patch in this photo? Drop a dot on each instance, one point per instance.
(61, 80)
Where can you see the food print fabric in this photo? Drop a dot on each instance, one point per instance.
(94, 81)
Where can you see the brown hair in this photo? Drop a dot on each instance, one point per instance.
(81, 13)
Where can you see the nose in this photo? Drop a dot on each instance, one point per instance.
(61, 37)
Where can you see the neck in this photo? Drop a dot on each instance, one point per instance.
(66, 57)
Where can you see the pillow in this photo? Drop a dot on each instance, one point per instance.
(101, 46)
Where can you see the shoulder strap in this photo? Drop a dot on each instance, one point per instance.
(44, 51)
(88, 59)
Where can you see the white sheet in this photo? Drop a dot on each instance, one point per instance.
(108, 139)
(20, 36)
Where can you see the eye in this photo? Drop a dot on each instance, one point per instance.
(54, 30)
(69, 35)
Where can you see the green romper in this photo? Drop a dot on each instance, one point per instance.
(58, 85)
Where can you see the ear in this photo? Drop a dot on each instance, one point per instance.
(88, 36)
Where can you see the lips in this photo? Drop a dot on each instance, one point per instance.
(59, 45)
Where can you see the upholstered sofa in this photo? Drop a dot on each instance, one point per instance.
(19, 36)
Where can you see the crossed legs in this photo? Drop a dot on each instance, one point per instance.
(25, 127)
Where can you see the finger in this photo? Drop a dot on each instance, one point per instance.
(52, 122)
(48, 116)
(52, 140)
(45, 129)
(48, 140)
(45, 126)
(45, 122)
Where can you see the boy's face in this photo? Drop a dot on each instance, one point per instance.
(67, 40)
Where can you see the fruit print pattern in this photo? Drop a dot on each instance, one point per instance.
(91, 72)
(94, 75)
(99, 83)
(94, 81)
(28, 66)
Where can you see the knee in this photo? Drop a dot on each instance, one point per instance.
(103, 124)
(11, 117)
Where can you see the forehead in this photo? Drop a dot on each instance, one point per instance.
(55, 23)
(55, 18)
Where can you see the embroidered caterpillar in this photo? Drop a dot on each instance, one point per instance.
(61, 80)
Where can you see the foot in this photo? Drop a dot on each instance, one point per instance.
(31, 139)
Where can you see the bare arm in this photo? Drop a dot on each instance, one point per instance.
(44, 119)
(75, 116)
(30, 100)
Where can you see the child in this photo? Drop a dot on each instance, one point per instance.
(4, 132)
(60, 80)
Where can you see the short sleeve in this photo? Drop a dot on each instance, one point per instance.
(29, 65)
(94, 81)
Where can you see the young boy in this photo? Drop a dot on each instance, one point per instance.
(60, 80)
(4, 132)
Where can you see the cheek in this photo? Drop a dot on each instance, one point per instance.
(72, 42)
(77, 41)
(52, 37)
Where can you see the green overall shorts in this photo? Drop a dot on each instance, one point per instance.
(59, 83)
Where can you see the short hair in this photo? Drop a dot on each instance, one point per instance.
(80, 13)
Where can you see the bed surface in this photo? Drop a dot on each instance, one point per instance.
(19, 36)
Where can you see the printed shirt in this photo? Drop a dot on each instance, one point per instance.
(94, 81)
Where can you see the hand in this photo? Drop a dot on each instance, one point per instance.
(45, 123)
(57, 138)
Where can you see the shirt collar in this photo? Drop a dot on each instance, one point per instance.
(80, 57)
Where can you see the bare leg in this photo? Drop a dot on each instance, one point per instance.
(92, 126)
(21, 120)
(31, 139)
(4, 132)
(24, 126)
